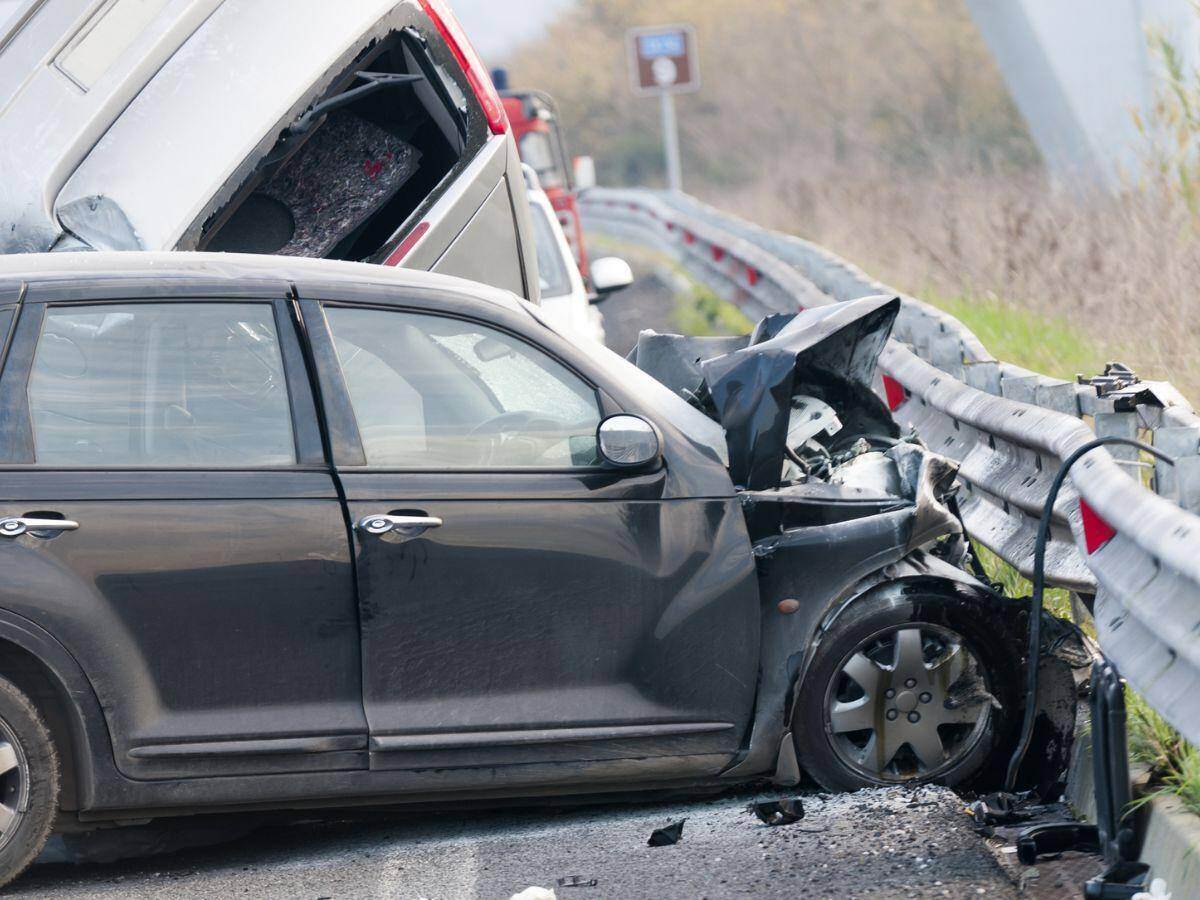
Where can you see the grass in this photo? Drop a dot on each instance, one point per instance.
(1042, 343)
(702, 313)
(1057, 600)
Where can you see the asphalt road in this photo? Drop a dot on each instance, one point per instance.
(886, 843)
(881, 843)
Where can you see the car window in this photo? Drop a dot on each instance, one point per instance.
(552, 268)
(160, 385)
(432, 392)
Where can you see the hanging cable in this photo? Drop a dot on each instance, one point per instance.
(1039, 590)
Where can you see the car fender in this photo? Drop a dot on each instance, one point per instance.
(91, 744)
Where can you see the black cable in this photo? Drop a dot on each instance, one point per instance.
(1039, 590)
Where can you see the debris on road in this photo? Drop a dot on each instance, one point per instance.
(779, 812)
(1002, 808)
(667, 835)
(577, 881)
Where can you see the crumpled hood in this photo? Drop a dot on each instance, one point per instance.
(751, 388)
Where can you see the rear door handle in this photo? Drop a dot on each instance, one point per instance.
(13, 526)
(406, 526)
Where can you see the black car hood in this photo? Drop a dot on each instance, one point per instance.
(747, 383)
(751, 389)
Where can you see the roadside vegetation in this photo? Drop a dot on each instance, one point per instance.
(884, 131)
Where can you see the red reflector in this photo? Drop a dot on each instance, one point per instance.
(1096, 532)
(670, 226)
(403, 248)
(477, 74)
(689, 238)
(894, 391)
(717, 254)
(752, 275)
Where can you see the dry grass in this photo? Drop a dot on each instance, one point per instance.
(1122, 273)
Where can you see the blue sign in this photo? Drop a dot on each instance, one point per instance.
(668, 43)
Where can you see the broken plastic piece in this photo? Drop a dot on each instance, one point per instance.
(1005, 809)
(577, 881)
(535, 893)
(667, 835)
(779, 812)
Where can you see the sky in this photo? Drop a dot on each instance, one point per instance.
(495, 26)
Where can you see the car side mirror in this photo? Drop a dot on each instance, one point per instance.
(609, 274)
(627, 441)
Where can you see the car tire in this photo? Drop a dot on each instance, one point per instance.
(29, 784)
(923, 655)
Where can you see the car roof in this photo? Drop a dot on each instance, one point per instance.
(200, 84)
(181, 275)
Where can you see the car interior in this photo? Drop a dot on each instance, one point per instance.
(346, 175)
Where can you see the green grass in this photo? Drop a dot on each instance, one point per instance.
(1057, 600)
(1174, 764)
(1046, 344)
(702, 313)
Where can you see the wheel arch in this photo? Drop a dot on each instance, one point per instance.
(48, 674)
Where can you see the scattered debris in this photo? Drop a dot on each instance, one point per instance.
(577, 881)
(667, 835)
(779, 812)
(1002, 808)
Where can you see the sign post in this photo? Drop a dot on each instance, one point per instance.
(663, 61)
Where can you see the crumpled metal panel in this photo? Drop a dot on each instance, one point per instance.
(1010, 428)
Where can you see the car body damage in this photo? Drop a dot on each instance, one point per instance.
(841, 508)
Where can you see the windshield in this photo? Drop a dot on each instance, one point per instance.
(552, 268)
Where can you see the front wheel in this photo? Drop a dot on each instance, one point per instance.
(917, 686)
(29, 782)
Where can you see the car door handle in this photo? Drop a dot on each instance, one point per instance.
(408, 526)
(13, 526)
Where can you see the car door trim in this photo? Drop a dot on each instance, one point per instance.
(391, 743)
(269, 747)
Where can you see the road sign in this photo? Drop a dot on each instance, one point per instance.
(663, 59)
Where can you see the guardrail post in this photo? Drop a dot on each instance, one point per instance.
(1180, 482)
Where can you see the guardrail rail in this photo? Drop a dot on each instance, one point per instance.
(1135, 546)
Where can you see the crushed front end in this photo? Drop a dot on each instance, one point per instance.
(860, 554)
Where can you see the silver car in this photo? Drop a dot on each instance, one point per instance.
(361, 130)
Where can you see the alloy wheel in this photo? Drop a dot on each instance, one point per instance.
(908, 703)
(14, 783)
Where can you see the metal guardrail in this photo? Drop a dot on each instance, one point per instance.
(1137, 548)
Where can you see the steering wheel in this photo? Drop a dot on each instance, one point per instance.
(498, 430)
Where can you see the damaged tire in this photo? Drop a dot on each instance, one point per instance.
(29, 782)
(912, 684)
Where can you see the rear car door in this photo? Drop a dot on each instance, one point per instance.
(202, 576)
(536, 607)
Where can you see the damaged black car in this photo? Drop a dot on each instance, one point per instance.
(282, 533)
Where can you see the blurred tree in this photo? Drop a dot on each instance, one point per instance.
(907, 84)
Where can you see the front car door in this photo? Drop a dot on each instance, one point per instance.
(207, 590)
(531, 606)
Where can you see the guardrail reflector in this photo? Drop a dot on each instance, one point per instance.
(717, 254)
(894, 392)
(752, 275)
(1096, 532)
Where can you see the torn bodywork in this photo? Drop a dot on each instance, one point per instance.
(839, 505)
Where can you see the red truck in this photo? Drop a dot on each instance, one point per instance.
(533, 116)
